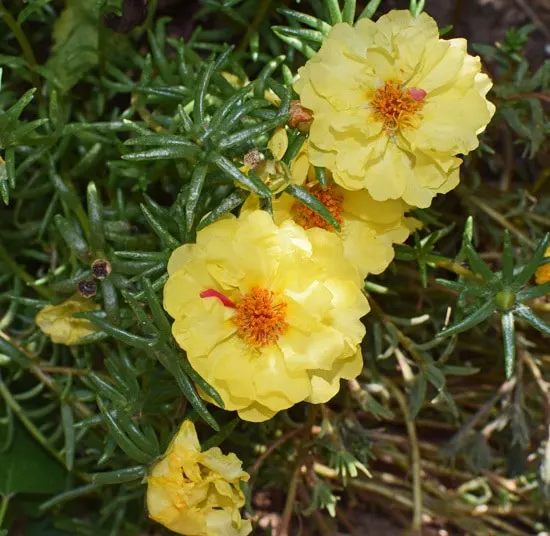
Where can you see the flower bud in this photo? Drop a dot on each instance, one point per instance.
(300, 117)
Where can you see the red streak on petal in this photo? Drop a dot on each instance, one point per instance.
(211, 293)
(417, 94)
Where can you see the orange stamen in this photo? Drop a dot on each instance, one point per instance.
(395, 106)
(334, 202)
(259, 319)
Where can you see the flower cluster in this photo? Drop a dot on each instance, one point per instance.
(197, 493)
(268, 308)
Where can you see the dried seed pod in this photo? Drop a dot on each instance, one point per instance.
(101, 269)
(87, 289)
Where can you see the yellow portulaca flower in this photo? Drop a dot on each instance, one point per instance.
(197, 493)
(58, 323)
(269, 315)
(393, 104)
(542, 275)
(369, 228)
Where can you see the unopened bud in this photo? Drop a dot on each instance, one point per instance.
(300, 117)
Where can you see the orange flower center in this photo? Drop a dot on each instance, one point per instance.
(334, 202)
(260, 320)
(395, 106)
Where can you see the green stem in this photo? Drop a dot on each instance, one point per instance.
(416, 524)
(23, 43)
(20, 272)
(31, 428)
(4, 501)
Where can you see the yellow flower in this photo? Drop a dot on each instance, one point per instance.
(393, 105)
(197, 493)
(369, 228)
(269, 315)
(542, 275)
(58, 323)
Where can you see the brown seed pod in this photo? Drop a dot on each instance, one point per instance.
(101, 269)
(87, 289)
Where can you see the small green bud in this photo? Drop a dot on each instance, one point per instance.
(505, 299)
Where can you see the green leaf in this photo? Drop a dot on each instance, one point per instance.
(67, 420)
(159, 229)
(531, 267)
(128, 474)
(333, 11)
(4, 184)
(527, 314)
(312, 203)
(435, 377)
(119, 435)
(231, 202)
(478, 316)
(177, 151)
(296, 43)
(454, 370)
(27, 468)
(417, 394)
(348, 13)
(533, 292)
(308, 20)
(321, 174)
(117, 333)
(173, 365)
(95, 215)
(370, 9)
(75, 43)
(195, 189)
(221, 436)
(478, 265)
(302, 34)
(249, 182)
(509, 341)
(507, 259)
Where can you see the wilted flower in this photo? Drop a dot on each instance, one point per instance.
(269, 315)
(393, 105)
(368, 228)
(58, 322)
(197, 493)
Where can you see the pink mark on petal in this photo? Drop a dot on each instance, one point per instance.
(211, 293)
(417, 94)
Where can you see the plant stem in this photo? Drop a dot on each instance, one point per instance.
(23, 43)
(492, 213)
(4, 501)
(31, 428)
(293, 487)
(416, 523)
(21, 273)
